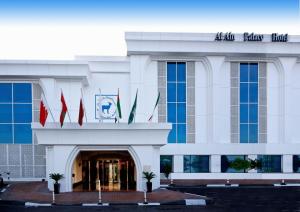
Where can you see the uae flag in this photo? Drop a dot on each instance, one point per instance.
(133, 109)
(81, 113)
(64, 109)
(119, 112)
(155, 106)
(43, 112)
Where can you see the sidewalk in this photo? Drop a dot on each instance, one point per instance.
(39, 193)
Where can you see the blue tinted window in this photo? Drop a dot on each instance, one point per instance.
(244, 133)
(181, 113)
(171, 92)
(5, 92)
(23, 133)
(22, 113)
(248, 102)
(244, 76)
(253, 93)
(22, 93)
(253, 73)
(244, 92)
(5, 113)
(253, 113)
(172, 134)
(226, 161)
(253, 133)
(181, 72)
(172, 112)
(244, 113)
(195, 163)
(6, 133)
(269, 163)
(171, 72)
(166, 160)
(181, 131)
(181, 92)
(15, 107)
(176, 101)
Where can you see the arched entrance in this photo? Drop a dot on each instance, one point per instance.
(115, 169)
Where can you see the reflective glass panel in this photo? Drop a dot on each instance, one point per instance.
(181, 92)
(171, 92)
(181, 112)
(244, 133)
(5, 113)
(244, 113)
(5, 92)
(6, 134)
(244, 75)
(181, 133)
(22, 92)
(23, 133)
(243, 92)
(171, 72)
(181, 72)
(22, 113)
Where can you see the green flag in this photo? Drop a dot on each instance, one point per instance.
(133, 109)
(119, 113)
(156, 103)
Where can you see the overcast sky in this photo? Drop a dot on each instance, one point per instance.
(61, 29)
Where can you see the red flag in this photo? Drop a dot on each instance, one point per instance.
(81, 113)
(43, 113)
(64, 110)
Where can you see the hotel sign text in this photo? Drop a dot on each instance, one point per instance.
(228, 36)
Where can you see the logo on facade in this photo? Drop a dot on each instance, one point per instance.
(105, 106)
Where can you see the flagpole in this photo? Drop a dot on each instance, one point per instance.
(67, 108)
(48, 105)
(83, 105)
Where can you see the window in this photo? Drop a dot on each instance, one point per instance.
(195, 163)
(176, 101)
(296, 163)
(248, 103)
(269, 163)
(166, 160)
(227, 159)
(15, 113)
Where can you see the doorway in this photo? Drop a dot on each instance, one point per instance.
(115, 170)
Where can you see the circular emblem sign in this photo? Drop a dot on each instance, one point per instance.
(107, 107)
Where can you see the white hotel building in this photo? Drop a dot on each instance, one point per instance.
(223, 96)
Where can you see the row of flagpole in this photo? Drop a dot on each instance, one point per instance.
(44, 108)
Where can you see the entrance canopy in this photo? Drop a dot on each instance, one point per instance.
(141, 140)
(102, 134)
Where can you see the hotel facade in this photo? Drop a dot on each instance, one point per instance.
(222, 96)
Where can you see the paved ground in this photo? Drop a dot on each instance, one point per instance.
(253, 198)
(38, 192)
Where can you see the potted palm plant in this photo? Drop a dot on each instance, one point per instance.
(56, 177)
(149, 176)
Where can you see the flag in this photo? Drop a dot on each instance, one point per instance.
(157, 100)
(81, 113)
(119, 113)
(133, 109)
(64, 109)
(43, 112)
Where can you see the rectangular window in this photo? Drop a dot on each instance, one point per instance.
(249, 103)
(269, 163)
(196, 163)
(15, 113)
(166, 160)
(296, 163)
(176, 101)
(227, 159)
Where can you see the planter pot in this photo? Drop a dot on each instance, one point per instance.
(56, 188)
(149, 186)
